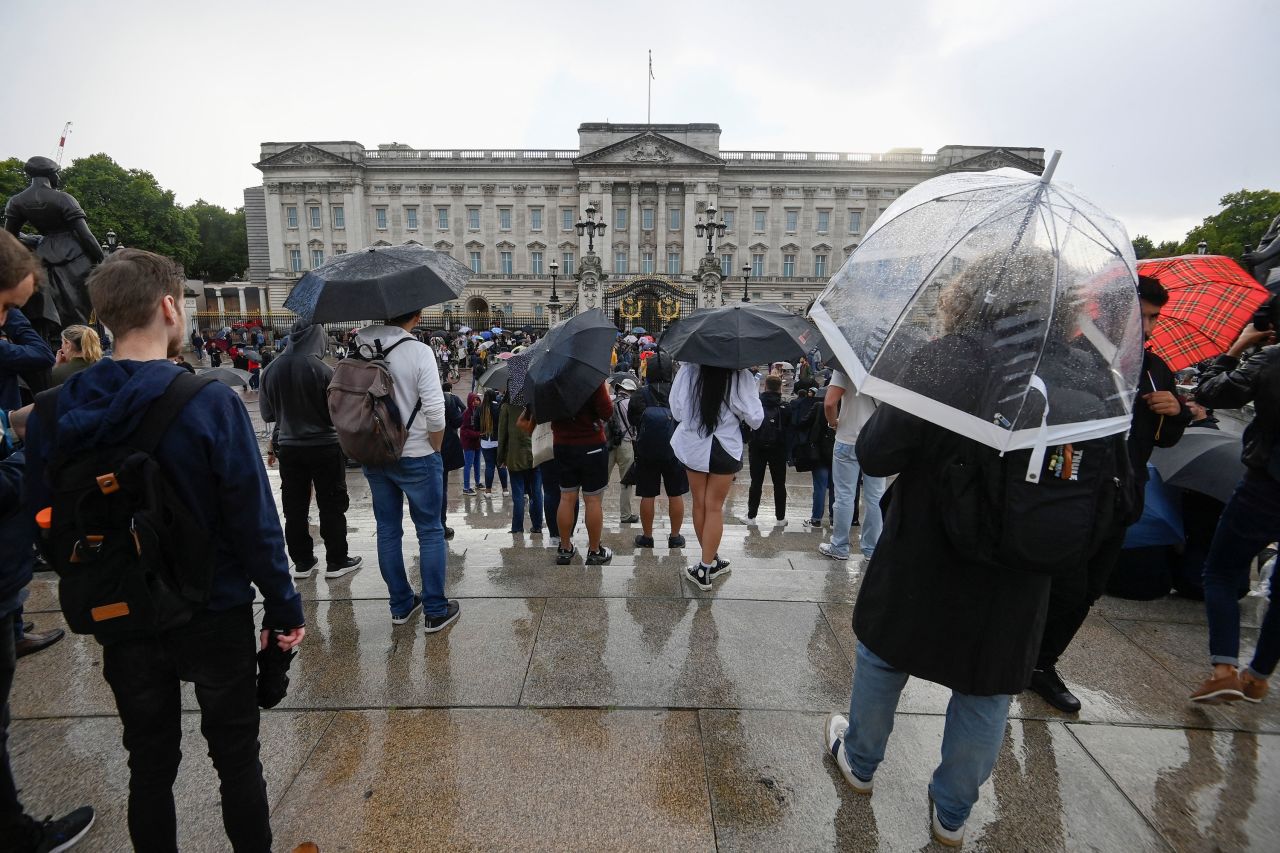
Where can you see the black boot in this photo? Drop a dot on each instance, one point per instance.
(1051, 689)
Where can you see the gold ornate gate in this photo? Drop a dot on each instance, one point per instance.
(651, 302)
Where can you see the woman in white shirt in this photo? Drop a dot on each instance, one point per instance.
(710, 404)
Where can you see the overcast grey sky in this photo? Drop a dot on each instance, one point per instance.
(1160, 107)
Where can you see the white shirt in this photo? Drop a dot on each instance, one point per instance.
(855, 409)
(417, 377)
(691, 446)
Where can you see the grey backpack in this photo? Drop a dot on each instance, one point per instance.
(362, 405)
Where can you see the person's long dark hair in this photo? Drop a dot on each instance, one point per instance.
(487, 425)
(712, 390)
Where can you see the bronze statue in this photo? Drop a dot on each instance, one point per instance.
(1262, 260)
(66, 246)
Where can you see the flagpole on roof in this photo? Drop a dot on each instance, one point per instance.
(648, 118)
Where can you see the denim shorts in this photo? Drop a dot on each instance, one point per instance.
(584, 467)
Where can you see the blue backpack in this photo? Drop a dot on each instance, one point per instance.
(653, 436)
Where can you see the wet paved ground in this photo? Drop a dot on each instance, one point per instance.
(575, 708)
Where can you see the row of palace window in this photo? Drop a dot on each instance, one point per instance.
(789, 269)
(567, 218)
(506, 263)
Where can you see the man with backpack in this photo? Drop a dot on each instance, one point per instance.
(160, 574)
(410, 466)
(657, 468)
(622, 454)
(294, 397)
(848, 412)
(767, 447)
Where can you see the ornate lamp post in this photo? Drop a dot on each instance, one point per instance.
(746, 277)
(1202, 248)
(111, 245)
(710, 230)
(553, 304)
(590, 227)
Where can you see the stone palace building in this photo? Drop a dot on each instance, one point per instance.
(791, 217)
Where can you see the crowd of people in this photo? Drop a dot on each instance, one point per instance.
(926, 607)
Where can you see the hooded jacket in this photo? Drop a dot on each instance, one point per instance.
(295, 391)
(24, 351)
(469, 434)
(210, 454)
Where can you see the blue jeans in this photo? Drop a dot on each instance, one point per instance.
(421, 480)
(844, 481)
(970, 740)
(821, 482)
(1249, 523)
(470, 467)
(526, 484)
(490, 464)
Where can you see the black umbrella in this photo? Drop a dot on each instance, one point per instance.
(496, 377)
(574, 363)
(738, 336)
(377, 283)
(1204, 460)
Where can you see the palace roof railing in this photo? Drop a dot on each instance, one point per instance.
(834, 159)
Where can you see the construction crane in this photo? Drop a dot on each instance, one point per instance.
(62, 142)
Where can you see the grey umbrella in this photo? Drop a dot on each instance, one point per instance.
(377, 283)
(232, 376)
(1204, 460)
(495, 377)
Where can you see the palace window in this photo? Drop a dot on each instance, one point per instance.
(339, 217)
(646, 262)
(726, 264)
(535, 219)
(788, 265)
(824, 221)
(535, 263)
(758, 217)
(566, 263)
(787, 294)
(793, 220)
(537, 310)
(855, 221)
(620, 219)
(757, 265)
(646, 218)
(620, 262)
(317, 257)
(473, 218)
(411, 218)
(504, 218)
(566, 219)
(673, 263)
(819, 265)
(291, 214)
(295, 260)
(729, 217)
(380, 218)
(505, 258)
(442, 218)
(673, 218)
(475, 262)
(314, 213)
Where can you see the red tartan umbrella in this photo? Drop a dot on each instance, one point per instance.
(1210, 300)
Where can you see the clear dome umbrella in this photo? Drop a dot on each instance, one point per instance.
(997, 305)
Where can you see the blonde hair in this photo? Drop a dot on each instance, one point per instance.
(86, 340)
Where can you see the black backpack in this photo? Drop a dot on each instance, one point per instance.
(769, 434)
(1049, 525)
(653, 435)
(132, 559)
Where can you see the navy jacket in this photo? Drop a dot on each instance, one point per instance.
(16, 534)
(25, 350)
(210, 449)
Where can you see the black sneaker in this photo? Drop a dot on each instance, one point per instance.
(342, 567)
(698, 575)
(439, 623)
(51, 836)
(417, 605)
(630, 519)
(675, 540)
(721, 567)
(304, 570)
(643, 541)
(563, 557)
(599, 558)
(1050, 687)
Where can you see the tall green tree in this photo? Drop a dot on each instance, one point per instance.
(1144, 248)
(132, 203)
(12, 179)
(1244, 217)
(224, 244)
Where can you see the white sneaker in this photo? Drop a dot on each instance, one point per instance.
(833, 740)
(944, 836)
(750, 522)
(826, 550)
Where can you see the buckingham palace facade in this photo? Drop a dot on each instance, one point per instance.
(791, 217)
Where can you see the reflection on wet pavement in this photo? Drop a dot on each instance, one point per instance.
(577, 708)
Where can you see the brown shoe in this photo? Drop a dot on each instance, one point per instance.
(1253, 688)
(32, 643)
(307, 847)
(1217, 691)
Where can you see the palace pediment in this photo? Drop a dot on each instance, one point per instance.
(996, 158)
(649, 149)
(306, 155)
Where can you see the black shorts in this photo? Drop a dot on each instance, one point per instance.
(670, 475)
(584, 467)
(721, 461)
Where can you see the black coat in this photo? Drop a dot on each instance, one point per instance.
(924, 607)
(451, 448)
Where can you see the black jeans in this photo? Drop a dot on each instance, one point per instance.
(1071, 596)
(775, 459)
(9, 806)
(323, 467)
(216, 652)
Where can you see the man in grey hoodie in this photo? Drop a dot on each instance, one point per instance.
(294, 396)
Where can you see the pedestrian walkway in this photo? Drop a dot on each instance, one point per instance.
(619, 708)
